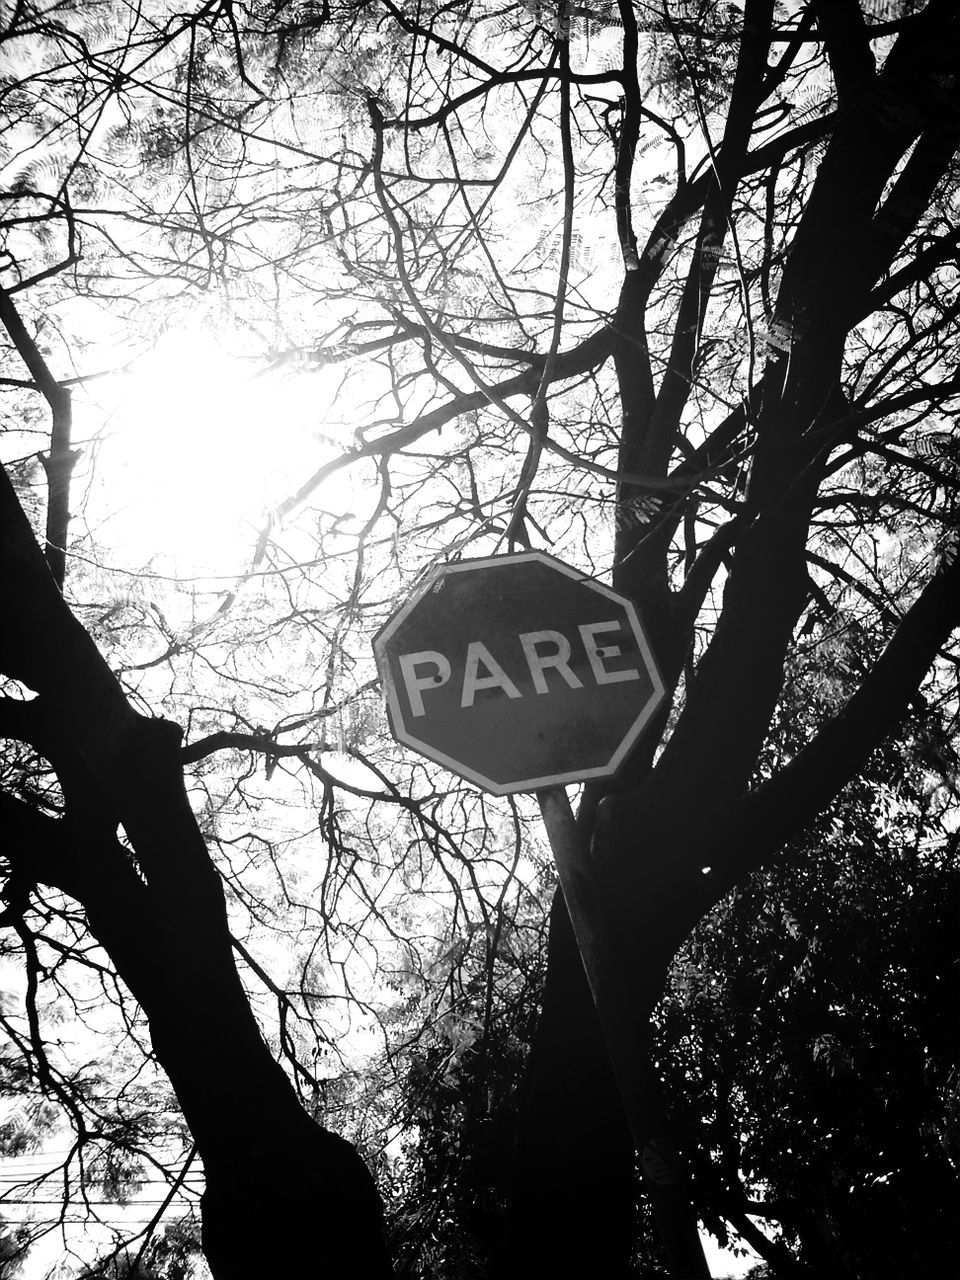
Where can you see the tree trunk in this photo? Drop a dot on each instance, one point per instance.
(694, 809)
(570, 1119)
(284, 1196)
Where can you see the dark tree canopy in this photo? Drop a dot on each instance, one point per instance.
(300, 301)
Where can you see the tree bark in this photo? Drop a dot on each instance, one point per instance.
(283, 1196)
(571, 1120)
(653, 837)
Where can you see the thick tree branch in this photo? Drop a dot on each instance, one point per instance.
(912, 192)
(496, 81)
(836, 256)
(766, 819)
(60, 459)
(687, 601)
(920, 266)
(847, 39)
(261, 743)
(21, 720)
(169, 937)
(585, 357)
(628, 137)
(36, 845)
(727, 166)
(540, 409)
(738, 679)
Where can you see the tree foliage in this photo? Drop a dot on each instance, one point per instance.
(803, 1031)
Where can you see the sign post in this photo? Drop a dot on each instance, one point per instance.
(660, 1163)
(521, 674)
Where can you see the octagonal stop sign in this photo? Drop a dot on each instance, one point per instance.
(518, 673)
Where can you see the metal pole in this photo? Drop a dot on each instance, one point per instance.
(626, 1042)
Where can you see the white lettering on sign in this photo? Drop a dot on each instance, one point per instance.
(589, 632)
(496, 678)
(409, 662)
(543, 651)
(538, 662)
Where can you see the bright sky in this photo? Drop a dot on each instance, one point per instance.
(202, 444)
(724, 1264)
(64, 1255)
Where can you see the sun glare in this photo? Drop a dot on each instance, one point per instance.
(198, 445)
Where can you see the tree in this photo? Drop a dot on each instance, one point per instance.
(675, 289)
(14, 1246)
(802, 1032)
